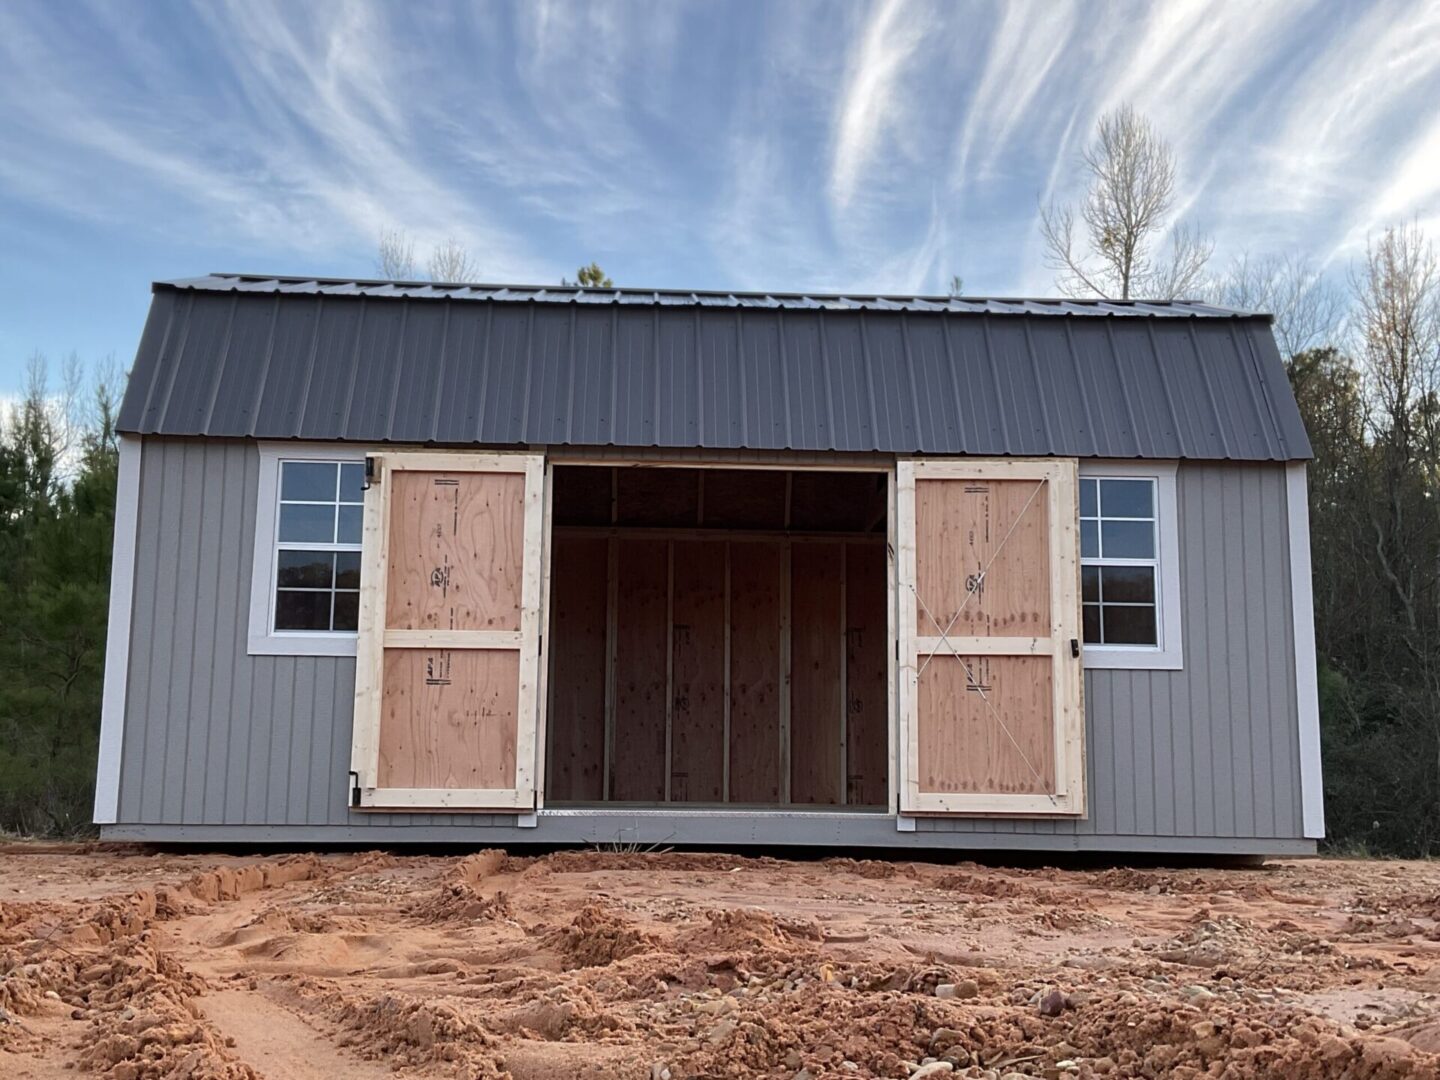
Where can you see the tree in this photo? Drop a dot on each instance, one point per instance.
(450, 261)
(589, 277)
(1130, 194)
(957, 286)
(395, 260)
(1308, 310)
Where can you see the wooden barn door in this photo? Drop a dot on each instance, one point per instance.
(992, 718)
(448, 677)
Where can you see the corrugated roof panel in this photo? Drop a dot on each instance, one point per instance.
(333, 371)
(293, 340)
(240, 383)
(807, 382)
(764, 407)
(374, 363)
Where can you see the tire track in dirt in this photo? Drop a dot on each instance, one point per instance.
(278, 1044)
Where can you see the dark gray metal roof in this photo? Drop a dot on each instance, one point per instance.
(281, 358)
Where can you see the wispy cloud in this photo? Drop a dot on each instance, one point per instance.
(858, 146)
(871, 104)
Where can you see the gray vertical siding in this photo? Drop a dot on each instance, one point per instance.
(215, 737)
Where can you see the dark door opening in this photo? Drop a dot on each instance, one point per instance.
(718, 637)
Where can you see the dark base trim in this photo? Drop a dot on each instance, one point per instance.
(711, 828)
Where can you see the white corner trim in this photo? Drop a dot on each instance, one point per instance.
(117, 632)
(1307, 689)
(1170, 654)
(261, 640)
(904, 824)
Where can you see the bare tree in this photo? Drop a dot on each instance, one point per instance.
(1308, 310)
(395, 259)
(450, 261)
(1397, 326)
(1124, 216)
(957, 286)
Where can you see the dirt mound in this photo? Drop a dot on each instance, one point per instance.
(405, 1031)
(990, 884)
(748, 930)
(599, 935)
(872, 869)
(457, 898)
(1250, 884)
(587, 862)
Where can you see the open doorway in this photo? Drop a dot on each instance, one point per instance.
(719, 637)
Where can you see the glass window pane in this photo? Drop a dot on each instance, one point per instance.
(347, 570)
(352, 479)
(1126, 540)
(1089, 501)
(1129, 625)
(1128, 584)
(305, 569)
(1092, 624)
(302, 610)
(1089, 540)
(347, 610)
(1090, 584)
(305, 524)
(309, 481)
(1127, 498)
(349, 525)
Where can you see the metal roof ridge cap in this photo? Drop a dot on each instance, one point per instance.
(1052, 306)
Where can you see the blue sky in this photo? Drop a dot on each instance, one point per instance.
(786, 145)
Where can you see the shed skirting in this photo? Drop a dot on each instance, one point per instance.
(667, 828)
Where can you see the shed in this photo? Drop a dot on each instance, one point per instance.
(408, 562)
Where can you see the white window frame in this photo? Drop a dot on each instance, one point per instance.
(1168, 653)
(264, 639)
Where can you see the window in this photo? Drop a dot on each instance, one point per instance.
(305, 590)
(1129, 573)
(317, 540)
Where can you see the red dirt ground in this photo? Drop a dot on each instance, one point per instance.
(130, 965)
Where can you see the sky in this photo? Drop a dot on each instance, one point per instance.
(832, 146)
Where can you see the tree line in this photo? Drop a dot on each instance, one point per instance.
(58, 462)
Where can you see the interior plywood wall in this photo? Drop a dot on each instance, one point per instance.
(718, 668)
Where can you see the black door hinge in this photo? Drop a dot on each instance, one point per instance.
(1075, 648)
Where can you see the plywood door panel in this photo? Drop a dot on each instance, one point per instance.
(867, 691)
(816, 671)
(456, 551)
(979, 733)
(991, 694)
(576, 753)
(756, 610)
(641, 655)
(449, 718)
(448, 686)
(989, 538)
(697, 726)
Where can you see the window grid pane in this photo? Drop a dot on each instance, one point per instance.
(317, 562)
(1118, 548)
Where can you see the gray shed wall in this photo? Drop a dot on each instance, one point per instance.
(220, 745)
